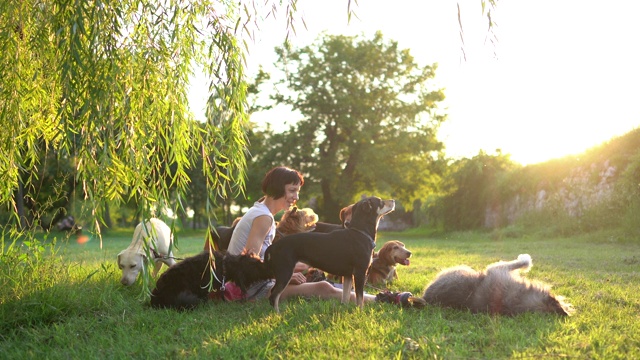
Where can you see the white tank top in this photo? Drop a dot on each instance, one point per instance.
(241, 233)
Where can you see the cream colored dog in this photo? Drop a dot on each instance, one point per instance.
(158, 236)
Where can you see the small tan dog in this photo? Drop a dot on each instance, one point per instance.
(131, 260)
(382, 270)
(296, 221)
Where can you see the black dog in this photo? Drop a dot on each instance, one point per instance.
(220, 238)
(345, 252)
(322, 227)
(186, 284)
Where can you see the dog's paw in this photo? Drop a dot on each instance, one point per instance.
(565, 308)
(404, 299)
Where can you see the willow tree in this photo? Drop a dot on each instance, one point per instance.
(103, 85)
(369, 119)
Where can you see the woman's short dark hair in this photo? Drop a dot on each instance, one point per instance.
(275, 180)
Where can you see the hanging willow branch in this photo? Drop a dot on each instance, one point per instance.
(104, 85)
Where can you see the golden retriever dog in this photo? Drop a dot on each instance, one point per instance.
(382, 270)
(498, 290)
(296, 220)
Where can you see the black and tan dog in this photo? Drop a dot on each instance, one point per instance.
(187, 284)
(345, 252)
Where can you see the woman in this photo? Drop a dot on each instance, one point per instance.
(256, 230)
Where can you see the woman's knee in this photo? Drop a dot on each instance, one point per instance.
(320, 288)
(325, 288)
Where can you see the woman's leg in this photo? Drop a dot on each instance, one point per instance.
(321, 289)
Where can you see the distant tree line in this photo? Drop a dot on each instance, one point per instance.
(598, 189)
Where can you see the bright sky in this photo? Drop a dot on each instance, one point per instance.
(565, 75)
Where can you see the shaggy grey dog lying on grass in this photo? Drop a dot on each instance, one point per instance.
(497, 290)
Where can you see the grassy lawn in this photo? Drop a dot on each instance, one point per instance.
(73, 306)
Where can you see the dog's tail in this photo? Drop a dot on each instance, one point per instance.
(523, 262)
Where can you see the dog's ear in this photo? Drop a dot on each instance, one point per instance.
(343, 214)
(294, 209)
(385, 252)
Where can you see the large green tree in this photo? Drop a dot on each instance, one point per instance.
(369, 119)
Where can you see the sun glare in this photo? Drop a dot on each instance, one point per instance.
(553, 85)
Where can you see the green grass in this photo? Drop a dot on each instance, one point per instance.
(72, 305)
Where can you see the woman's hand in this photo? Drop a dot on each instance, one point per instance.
(297, 279)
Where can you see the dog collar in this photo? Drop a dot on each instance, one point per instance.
(373, 241)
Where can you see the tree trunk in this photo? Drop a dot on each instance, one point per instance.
(228, 216)
(417, 213)
(330, 208)
(107, 217)
(183, 218)
(194, 218)
(20, 206)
